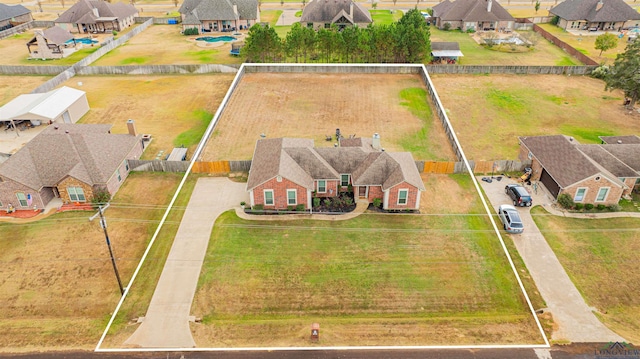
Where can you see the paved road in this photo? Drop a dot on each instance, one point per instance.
(166, 324)
(575, 319)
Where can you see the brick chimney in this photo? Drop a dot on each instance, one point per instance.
(599, 5)
(489, 3)
(131, 126)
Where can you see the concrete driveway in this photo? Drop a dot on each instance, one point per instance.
(166, 324)
(575, 319)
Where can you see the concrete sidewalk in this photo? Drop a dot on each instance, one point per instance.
(166, 324)
(574, 318)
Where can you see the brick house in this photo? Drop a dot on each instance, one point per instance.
(12, 15)
(612, 15)
(596, 174)
(341, 13)
(87, 16)
(70, 162)
(219, 15)
(289, 172)
(478, 15)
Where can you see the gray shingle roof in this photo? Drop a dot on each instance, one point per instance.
(611, 11)
(9, 11)
(608, 161)
(297, 160)
(562, 160)
(56, 35)
(325, 11)
(219, 10)
(82, 12)
(471, 11)
(629, 154)
(613, 140)
(439, 46)
(86, 152)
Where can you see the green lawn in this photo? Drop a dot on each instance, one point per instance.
(402, 279)
(270, 16)
(385, 17)
(544, 52)
(600, 256)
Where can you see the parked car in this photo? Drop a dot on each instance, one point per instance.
(510, 218)
(519, 195)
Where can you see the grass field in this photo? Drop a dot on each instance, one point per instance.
(611, 279)
(313, 106)
(374, 280)
(12, 86)
(58, 284)
(544, 52)
(489, 112)
(162, 45)
(586, 44)
(175, 110)
(385, 17)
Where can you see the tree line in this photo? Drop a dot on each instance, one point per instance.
(405, 41)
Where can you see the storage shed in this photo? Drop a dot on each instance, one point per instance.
(63, 105)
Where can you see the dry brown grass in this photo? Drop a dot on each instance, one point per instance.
(12, 86)
(58, 284)
(163, 106)
(312, 106)
(163, 44)
(488, 113)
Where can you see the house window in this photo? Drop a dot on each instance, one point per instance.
(76, 194)
(119, 177)
(579, 197)
(126, 165)
(344, 180)
(291, 197)
(22, 199)
(310, 25)
(402, 196)
(268, 197)
(602, 194)
(322, 186)
(327, 26)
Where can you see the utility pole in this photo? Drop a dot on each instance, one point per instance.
(103, 224)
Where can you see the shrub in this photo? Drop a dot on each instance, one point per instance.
(588, 206)
(348, 201)
(316, 201)
(258, 207)
(300, 208)
(100, 197)
(446, 26)
(601, 207)
(327, 202)
(600, 72)
(471, 31)
(114, 33)
(191, 31)
(579, 206)
(377, 202)
(565, 201)
(555, 19)
(243, 203)
(291, 208)
(614, 208)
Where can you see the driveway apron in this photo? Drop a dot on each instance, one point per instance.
(166, 324)
(574, 318)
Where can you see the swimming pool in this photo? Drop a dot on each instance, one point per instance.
(216, 38)
(84, 40)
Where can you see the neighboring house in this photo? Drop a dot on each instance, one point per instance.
(91, 16)
(289, 172)
(619, 140)
(219, 15)
(595, 15)
(12, 15)
(63, 105)
(596, 174)
(445, 52)
(478, 15)
(70, 162)
(324, 13)
(50, 44)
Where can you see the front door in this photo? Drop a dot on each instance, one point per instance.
(362, 191)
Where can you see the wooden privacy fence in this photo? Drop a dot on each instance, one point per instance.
(211, 167)
(158, 165)
(444, 167)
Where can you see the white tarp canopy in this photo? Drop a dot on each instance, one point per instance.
(447, 53)
(46, 106)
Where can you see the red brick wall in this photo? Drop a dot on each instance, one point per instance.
(279, 193)
(411, 197)
(332, 189)
(375, 192)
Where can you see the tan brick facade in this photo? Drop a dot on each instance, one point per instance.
(279, 193)
(73, 182)
(593, 186)
(412, 196)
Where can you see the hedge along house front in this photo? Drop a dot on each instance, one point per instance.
(67, 161)
(595, 174)
(288, 172)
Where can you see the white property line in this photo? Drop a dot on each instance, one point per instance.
(199, 149)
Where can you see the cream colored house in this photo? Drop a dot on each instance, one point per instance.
(63, 105)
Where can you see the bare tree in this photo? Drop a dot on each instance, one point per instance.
(175, 3)
(62, 3)
(39, 3)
